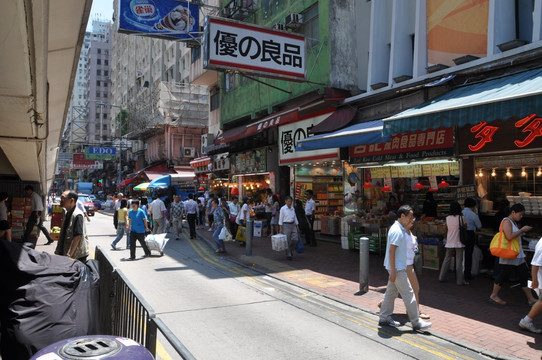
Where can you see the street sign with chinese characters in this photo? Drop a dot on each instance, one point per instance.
(253, 161)
(290, 134)
(163, 18)
(240, 46)
(518, 133)
(81, 162)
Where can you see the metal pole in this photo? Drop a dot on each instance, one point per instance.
(363, 265)
(250, 232)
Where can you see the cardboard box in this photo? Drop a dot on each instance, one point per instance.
(431, 263)
(258, 228)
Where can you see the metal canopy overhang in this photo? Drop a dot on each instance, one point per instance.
(369, 132)
(42, 41)
(510, 96)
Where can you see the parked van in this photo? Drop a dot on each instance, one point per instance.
(166, 186)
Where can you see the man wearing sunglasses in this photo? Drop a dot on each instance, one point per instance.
(73, 240)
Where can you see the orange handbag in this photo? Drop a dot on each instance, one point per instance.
(502, 247)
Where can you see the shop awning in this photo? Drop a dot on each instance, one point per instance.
(202, 161)
(126, 182)
(142, 186)
(369, 132)
(511, 96)
(335, 121)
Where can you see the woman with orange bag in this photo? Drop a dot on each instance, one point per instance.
(506, 266)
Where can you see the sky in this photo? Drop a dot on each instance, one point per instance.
(102, 9)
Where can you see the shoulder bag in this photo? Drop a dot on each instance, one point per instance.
(502, 247)
(463, 233)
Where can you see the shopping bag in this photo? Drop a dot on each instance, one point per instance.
(222, 235)
(299, 248)
(229, 236)
(241, 234)
(279, 242)
(502, 247)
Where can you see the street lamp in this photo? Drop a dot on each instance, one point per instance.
(119, 169)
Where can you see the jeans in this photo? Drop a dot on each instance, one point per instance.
(219, 243)
(121, 229)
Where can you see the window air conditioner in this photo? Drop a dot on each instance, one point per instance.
(293, 21)
(189, 152)
(279, 27)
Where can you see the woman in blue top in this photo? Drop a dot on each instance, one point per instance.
(138, 227)
(218, 219)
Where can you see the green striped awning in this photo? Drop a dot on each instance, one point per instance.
(510, 96)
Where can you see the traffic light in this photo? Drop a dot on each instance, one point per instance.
(100, 183)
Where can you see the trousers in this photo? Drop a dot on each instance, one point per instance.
(400, 286)
(191, 218)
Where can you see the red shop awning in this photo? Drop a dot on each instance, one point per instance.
(202, 161)
(126, 182)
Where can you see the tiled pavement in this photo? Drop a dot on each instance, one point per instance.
(462, 314)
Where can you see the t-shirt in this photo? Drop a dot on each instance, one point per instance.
(411, 245)
(310, 207)
(137, 222)
(537, 261)
(396, 236)
(35, 202)
(122, 214)
(157, 208)
(452, 236)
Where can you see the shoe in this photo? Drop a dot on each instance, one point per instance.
(130, 259)
(113, 246)
(497, 301)
(210, 229)
(422, 325)
(177, 239)
(464, 283)
(289, 257)
(389, 322)
(379, 304)
(529, 326)
(48, 243)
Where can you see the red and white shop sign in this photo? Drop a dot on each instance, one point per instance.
(412, 141)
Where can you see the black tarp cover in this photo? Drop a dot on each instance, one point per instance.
(44, 299)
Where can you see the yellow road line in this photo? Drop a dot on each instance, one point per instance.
(161, 352)
(410, 339)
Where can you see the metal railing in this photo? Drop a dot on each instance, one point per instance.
(124, 312)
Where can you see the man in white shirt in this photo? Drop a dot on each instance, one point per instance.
(117, 207)
(35, 216)
(310, 209)
(158, 211)
(192, 212)
(289, 225)
(81, 207)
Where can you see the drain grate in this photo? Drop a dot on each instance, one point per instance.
(90, 348)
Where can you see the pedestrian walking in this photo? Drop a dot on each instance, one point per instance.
(192, 213)
(395, 262)
(210, 210)
(117, 207)
(310, 209)
(158, 211)
(507, 266)
(201, 210)
(289, 226)
(176, 210)
(5, 227)
(268, 209)
(453, 246)
(473, 222)
(234, 212)
(121, 228)
(536, 272)
(219, 219)
(73, 241)
(81, 207)
(35, 216)
(138, 226)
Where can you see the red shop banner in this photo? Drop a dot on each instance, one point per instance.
(417, 144)
(519, 133)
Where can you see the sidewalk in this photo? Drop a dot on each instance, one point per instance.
(461, 314)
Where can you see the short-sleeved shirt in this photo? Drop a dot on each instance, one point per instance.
(122, 214)
(537, 261)
(157, 209)
(310, 207)
(287, 215)
(269, 204)
(35, 202)
(191, 207)
(452, 236)
(471, 219)
(176, 209)
(136, 219)
(412, 245)
(396, 236)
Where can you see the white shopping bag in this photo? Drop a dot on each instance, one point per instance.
(279, 242)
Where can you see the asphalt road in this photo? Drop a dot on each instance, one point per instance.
(221, 310)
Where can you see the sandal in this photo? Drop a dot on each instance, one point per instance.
(424, 316)
(497, 301)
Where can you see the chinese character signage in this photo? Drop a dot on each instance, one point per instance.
(249, 162)
(100, 153)
(290, 134)
(318, 171)
(160, 18)
(240, 46)
(525, 132)
(465, 191)
(410, 146)
(80, 162)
